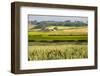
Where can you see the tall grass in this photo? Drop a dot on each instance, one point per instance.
(51, 52)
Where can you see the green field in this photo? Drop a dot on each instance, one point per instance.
(56, 38)
(69, 34)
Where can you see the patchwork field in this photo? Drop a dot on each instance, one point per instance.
(69, 34)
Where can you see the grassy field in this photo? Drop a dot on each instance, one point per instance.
(61, 31)
(53, 51)
(68, 34)
(57, 38)
(63, 43)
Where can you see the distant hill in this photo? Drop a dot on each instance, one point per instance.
(42, 24)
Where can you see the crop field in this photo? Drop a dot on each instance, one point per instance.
(53, 51)
(64, 43)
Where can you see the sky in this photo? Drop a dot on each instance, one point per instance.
(56, 18)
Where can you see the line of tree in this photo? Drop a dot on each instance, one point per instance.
(42, 24)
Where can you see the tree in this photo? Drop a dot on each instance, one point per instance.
(55, 28)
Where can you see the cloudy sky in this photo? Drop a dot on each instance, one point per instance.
(56, 18)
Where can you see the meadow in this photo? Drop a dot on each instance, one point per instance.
(54, 51)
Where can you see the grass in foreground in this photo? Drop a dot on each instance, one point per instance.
(57, 51)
